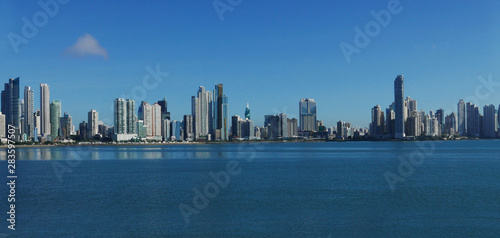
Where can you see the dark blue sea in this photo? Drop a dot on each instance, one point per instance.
(340, 189)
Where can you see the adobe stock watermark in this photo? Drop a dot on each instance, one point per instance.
(223, 6)
(150, 81)
(408, 164)
(218, 181)
(372, 29)
(30, 28)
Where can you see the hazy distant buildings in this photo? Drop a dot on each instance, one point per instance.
(307, 115)
(188, 128)
(399, 107)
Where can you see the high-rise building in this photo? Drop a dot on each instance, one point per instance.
(2, 126)
(292, 129)
(145, 114)
(44, 110)
(166, 129)
(28, 109)
(224, 130)
(131, 118)
(83, 130)
(307, 111)
(200, 108)
(473, 120)
(390, 117)
(440, 119)
(188, 128)
(377, 126)
(235, 126)
(341, 130)
(11, 105)
(156, 121)
(461, 114)
(489, 122)
(55, 115)
(283, 125)
(217, 106)
(164, 111)
(93, 123)
(414, 122)
(451, 124)
(38, 124)
(399, 107)
(176, 130)
(125, 119)
(247, 112)
(66, 126)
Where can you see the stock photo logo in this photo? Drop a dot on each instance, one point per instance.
(31, 26)
(373, 28)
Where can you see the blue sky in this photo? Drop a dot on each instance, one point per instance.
(267, 53)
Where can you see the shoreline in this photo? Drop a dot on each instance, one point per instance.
(231, 142)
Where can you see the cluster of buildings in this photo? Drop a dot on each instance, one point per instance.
(210, 121)
(402, 119)
(46, 123)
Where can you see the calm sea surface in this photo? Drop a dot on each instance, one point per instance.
(351, 189)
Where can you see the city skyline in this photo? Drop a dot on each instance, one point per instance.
(255, 58)
(44, 88)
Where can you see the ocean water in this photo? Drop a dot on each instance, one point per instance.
(347, 189)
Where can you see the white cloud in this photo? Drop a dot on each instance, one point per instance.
(85, 46)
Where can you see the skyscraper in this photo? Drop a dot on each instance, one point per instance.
(399, 107)
(66, 126)
(247, 112)
(188, 128)
(2, 126)
(44, 110)
(28, 109)
(145, 114)
(461, 117)
(217, 105)
(125, 119)
(11, 105)
(55, 115)
(224, 130)
(156, 121)
(164, 112)
(130, 117)
(451, 125)
(390, 117)
(93, 119)
(307, 111)
(489, 122)
(473, 120)
(377, 126)
(200, 110)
